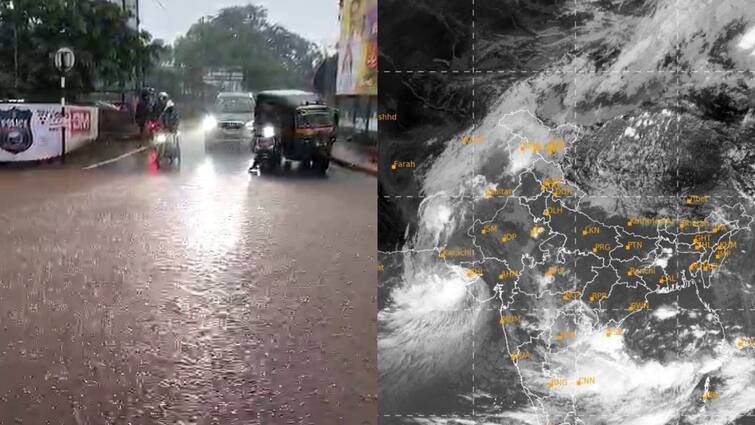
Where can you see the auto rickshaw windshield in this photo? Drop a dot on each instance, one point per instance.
(314, 120)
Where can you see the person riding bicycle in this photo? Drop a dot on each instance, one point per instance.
(166, 113)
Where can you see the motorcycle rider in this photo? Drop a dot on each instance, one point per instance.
(166, 112)
(144, 108)
(166, 115)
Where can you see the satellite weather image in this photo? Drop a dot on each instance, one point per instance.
(566, 212)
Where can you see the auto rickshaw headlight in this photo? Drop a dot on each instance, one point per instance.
(161, 138)
(268, 131)
(209, 123)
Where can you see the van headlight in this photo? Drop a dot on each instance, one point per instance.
(250, 125)
(209, 123)
(268, 131)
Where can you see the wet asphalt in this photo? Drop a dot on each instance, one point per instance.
(201, 294)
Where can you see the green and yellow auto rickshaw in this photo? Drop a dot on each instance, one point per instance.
(293, 125)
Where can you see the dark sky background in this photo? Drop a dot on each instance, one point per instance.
(316, 20)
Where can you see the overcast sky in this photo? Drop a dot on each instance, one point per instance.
(316, 20)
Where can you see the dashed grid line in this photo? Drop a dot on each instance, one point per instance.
(565, 71)
(678, 152)
(588, 197)
(574, 119)
(474, 201)
(468, 416)
(600, 310)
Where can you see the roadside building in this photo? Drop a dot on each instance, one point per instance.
(132, 7)
(225, 80)
(349, 80)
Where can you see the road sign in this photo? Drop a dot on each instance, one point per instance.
(64, 59)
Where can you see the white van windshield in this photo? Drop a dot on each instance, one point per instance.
(235, 105)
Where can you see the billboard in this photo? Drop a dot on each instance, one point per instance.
(31, 132)
(27, 132)
(357, 48)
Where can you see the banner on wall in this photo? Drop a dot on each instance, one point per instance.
(357, 48)
(31, 132)
(82, 126)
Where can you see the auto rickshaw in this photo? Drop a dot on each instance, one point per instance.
(293, 125)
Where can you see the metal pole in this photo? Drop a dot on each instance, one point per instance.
(139, 84)
(14, 18)
(123, 83)
(65, 124)
(15, 55)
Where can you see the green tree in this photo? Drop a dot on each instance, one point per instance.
(242, 38)
(107, 51)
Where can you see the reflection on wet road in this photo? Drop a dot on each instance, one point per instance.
(204, 295)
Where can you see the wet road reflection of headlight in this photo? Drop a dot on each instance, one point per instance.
(209, 123)
(268, 131)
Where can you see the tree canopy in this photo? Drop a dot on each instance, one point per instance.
(107, 50)
(242, 38)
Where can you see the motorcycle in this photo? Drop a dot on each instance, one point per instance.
(166, 146)
(152, 128)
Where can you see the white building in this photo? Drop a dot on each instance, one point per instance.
(132, 6)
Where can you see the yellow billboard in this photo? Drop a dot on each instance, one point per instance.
(357, 48)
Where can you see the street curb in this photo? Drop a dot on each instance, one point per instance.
(32, 164)
(356, 167)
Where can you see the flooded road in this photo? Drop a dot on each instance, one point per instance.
(205, 295)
